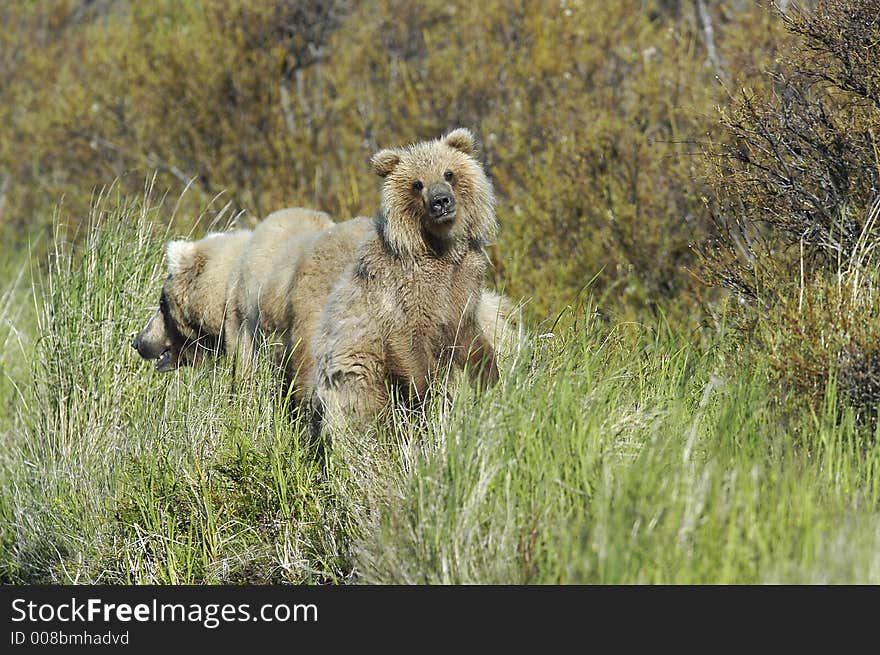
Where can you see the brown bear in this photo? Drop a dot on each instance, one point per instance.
(407, 309)
(277, 279)
(193, 306)
(303, 273)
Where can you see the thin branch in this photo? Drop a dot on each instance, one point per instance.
(705, 23)
(4, 186)
(286, 109)
(151, 158)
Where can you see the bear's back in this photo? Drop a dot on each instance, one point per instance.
(323, 263)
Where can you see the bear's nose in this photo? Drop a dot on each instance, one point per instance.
(441, 203)
(136, 344)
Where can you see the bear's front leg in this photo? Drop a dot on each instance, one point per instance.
(345, 399)
(238, 338)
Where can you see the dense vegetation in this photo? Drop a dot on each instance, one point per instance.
(688, 194)
(590, 115)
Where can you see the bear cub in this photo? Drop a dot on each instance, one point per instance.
(407, 310)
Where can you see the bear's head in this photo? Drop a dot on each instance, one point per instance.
(172, 336)
(436, 196)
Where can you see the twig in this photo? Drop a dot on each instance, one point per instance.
(4, 185)
(286, 109)
(151, 158)
(154, 160)
(705, 24)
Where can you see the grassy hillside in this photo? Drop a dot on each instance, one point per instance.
(610, 453)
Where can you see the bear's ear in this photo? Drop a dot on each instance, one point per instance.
(461, 139)
(180, 256)
(384, 162)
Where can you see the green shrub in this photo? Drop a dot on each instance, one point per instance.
(796, 186)
(588, 112)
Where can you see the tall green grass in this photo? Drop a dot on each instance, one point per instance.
(609, 453)
(112, 472)
(632, 456)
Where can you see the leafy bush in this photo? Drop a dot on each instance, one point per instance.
(796, 186)
(588, 112)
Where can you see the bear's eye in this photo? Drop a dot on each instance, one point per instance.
(418, 186)
(449, 177)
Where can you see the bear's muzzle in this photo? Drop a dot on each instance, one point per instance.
(441, 203)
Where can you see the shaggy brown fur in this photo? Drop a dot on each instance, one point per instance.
(322, 261)
(273, 284)
(407, 308)
(193, 311)
(188, 323)
(305, 271)
(259, 307)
